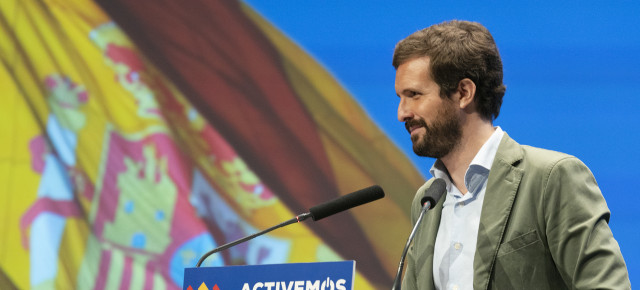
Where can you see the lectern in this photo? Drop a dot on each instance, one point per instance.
(293, 276)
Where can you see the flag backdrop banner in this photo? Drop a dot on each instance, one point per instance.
(138, 135)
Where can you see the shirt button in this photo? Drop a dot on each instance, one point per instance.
(457, 246)
(455, 287)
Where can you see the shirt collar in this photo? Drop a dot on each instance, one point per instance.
(478, 171)
(488, 151)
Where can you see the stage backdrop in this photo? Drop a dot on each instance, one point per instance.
(137, 135)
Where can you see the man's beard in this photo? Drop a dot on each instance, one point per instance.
(440, 137)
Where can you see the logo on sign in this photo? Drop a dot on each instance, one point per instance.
(326, 284)
(203, 286)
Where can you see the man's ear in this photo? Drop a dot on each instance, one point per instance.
(467, 91)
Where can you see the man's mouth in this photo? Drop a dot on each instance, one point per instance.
(412, 128)
(413, 125)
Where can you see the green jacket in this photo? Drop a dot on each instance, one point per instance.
(544, 225)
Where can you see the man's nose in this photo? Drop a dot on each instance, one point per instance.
(404, 112)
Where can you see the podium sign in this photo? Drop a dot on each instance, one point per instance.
(295, 276)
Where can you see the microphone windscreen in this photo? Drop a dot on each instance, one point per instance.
(434, 192)
(346, 202)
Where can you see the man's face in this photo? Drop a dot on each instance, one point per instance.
(432, 121)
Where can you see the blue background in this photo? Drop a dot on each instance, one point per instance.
(572, 71)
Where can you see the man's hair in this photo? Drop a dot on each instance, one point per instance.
(458, 50)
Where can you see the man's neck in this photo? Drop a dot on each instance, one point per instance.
(459, 159)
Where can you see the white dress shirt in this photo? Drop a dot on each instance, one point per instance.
(458, 232)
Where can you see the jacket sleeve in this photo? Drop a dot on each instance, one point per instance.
(578, 234)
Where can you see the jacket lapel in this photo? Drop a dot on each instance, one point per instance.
(502, 186)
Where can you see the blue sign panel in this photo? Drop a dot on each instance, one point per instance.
(295, 276)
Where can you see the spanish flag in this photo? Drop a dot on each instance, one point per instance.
(138, 135)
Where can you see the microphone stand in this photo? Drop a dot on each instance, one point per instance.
(296, 219)
(397, 283)
(326, 209)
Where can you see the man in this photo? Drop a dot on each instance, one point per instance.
(513, 216)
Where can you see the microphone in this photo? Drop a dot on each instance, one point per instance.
(428, 201)
(317, 212)
(346, 202)
(433, 193)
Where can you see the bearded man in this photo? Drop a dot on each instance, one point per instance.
(513, 216)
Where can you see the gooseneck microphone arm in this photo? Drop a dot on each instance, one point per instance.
(317, 212)
(428, 201)
(398, 280)
(298, 218)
